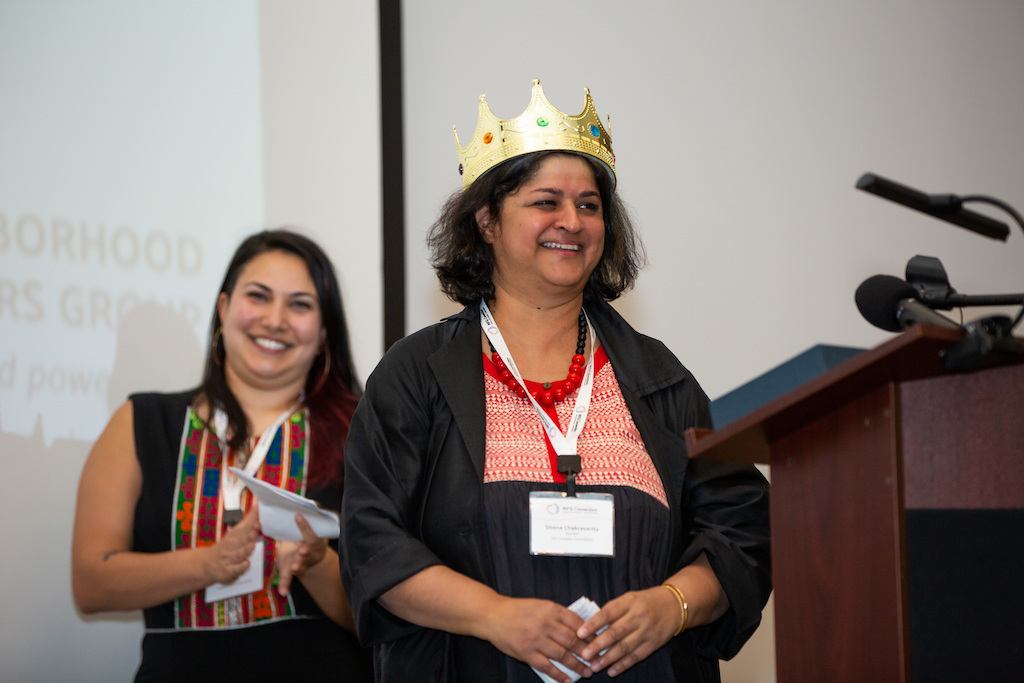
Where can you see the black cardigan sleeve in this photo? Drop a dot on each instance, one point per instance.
(384, 460)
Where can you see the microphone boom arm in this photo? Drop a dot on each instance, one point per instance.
(945, 207)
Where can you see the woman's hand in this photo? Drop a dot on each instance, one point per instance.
(294, 558)
(228, 558)
(532, 631)
(315, 563)
(536, 632)
(639, 622)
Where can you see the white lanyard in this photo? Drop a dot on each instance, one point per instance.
(231, 486)
(563, 445)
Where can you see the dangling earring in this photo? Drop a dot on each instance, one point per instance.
(327, 369)
(214, 346)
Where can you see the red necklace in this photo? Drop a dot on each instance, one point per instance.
(553, 392)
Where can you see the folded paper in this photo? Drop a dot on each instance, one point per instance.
(278, 508)
(585, 608)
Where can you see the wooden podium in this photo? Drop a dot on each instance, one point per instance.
(897, 516)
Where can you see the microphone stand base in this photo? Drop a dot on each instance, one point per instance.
(989, 342)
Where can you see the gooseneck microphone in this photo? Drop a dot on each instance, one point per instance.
(946, 207)
(892, 304)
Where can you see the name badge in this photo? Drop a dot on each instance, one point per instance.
(249, 582)
(575, 526)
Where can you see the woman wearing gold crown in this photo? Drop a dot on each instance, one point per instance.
(502, 514)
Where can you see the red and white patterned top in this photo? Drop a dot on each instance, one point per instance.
(611, 450)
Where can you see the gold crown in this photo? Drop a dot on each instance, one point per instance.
(541, 127)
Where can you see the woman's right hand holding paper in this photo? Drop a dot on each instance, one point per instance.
(536, 632)
(228, 558)
(530, 630)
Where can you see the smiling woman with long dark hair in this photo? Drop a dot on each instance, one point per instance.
(162, 525)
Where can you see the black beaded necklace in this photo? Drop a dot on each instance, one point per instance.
(553, 392)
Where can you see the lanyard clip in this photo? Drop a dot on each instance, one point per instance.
(570, 465)
(233, 517)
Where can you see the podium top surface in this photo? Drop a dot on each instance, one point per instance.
(914, 354)
(781, 379)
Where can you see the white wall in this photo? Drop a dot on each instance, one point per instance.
(740, 129)
(139, 142)
(321, 146)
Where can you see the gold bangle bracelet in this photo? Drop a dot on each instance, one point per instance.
(683, 607)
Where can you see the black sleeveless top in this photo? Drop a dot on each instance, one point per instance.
(305, 644)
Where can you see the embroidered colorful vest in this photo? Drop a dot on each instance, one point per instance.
(196, 524)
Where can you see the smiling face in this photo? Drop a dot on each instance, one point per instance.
(549, 235)
(271, 323)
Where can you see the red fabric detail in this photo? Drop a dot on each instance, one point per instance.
(610, 445)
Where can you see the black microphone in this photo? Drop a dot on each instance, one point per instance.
(946, 207)
(928, 277)
(892, 304)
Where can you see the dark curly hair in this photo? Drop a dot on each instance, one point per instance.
(464, 262)
(330, 396)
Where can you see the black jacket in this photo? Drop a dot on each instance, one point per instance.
(413, 497)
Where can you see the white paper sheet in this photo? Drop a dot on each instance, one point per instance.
(249, 582)
(586, 608)
(279, 507)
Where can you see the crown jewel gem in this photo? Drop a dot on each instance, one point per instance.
(539, 127)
